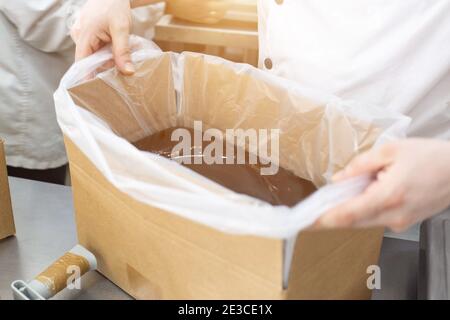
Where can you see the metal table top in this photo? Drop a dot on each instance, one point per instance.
(46, 229)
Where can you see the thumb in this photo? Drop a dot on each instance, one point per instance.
(367, 163)
(120, 31)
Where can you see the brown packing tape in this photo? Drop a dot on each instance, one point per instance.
(55, 277)
(7, 227)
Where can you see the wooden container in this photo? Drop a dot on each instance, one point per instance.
(6, 216)
(233, 37)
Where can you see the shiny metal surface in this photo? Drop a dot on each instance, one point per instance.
(434, 263)
(399, 261)
(46, 229)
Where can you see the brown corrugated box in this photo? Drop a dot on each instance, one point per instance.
(154, 254)
(6, 216)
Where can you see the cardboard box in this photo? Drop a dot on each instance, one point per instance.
(6, 216)
(154, 254)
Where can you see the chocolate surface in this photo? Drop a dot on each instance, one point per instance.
(282, 188)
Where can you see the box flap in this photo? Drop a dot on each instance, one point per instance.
(7, 227)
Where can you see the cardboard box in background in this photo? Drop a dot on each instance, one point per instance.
(6, 216)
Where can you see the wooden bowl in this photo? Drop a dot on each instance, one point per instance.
(201, 11)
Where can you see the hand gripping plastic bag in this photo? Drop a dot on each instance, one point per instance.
(103, 112)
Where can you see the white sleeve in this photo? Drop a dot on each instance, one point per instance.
(43, 24)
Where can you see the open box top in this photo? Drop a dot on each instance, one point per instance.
(154, 225)
(319, 133)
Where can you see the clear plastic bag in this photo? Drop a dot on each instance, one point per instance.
(102, 113)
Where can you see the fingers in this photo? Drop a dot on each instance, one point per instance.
(83, 49)
(120, 30)
(397, 220)
(367, 163)
(121, 50)
(379, 196)
(99, 23)
(376, 200)
(86, 47)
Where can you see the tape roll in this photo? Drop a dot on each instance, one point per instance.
(55, 277)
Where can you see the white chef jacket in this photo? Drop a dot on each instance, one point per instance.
(36, 50)
(392, 53)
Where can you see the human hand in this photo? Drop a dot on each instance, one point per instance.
(103, 22)
(412, 183)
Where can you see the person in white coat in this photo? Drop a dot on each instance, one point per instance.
(36, 51)
(391, 53)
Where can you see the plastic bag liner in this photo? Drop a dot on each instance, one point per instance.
(103, 113)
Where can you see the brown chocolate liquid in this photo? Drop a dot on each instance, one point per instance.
(282, 188)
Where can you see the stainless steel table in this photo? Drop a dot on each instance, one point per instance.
(45, 226)
(46, 229)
